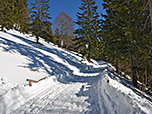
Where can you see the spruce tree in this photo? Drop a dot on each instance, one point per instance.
(117, 33)
(6, 14)
(47, 34)
(39, 16)
(88, 33)
(144, 45)
(14, 15)
(21, 16)
(126, 31)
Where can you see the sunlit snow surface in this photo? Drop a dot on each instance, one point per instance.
(72, 87)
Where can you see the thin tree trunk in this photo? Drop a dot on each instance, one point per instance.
(117, 69)
(137, 74)
(89, 52)
(2, 27)
(149, 73)
(150, 7)
(143, 85)
(37, 39)
(134, 77)
(146, 75)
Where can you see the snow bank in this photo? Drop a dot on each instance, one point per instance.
(73, 86)
(14, 96)
(135, 100)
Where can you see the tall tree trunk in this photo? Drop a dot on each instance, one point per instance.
(89, 52)
(133, 70)
(150, 7)
(146, 75)
(37, 39)
(117, 69)
(149, 73)
(143, 84)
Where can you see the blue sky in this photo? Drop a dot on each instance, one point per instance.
(70, 7)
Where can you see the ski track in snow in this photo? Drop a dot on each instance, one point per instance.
(77, 87)
(56, 99)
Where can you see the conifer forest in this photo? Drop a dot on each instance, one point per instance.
(122, 35)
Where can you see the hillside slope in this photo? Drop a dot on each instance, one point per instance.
(72, 87)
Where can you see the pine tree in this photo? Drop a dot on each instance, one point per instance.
(117, 32)
(150, 8)
(25, 25)
(12, 14)
(6, 14)
(144, 45)
(21, 16)
(89, 38)
(39, 16)
(126, 31)
(47, 32)
(112, 31)
(137, 32)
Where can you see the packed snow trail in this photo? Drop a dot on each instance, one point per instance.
(72, 87)
(92, 95)
(54, 99)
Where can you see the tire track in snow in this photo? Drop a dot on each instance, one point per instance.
(101, 101)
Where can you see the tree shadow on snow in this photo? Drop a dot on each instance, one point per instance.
(92, 95)
(37, 60)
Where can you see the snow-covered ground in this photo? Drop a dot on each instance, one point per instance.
(72, 86)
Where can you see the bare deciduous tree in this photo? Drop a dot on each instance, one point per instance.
(65, 25)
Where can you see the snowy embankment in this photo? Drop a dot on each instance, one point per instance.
(72, 86)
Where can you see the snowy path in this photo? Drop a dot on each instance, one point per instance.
(73, 86)
(55, 99)
(90, 95)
